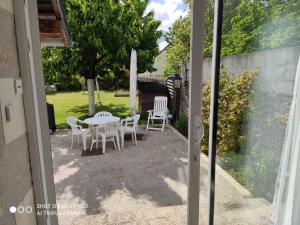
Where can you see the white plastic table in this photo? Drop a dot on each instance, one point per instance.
(99, 121)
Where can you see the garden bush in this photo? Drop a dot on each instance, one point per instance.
(181, 124)
(233, 105)
(251, 129)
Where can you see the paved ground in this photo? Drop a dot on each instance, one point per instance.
(144, 184)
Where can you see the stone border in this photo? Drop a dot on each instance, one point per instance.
(241, 189)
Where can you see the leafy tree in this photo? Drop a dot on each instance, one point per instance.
(57, 65)
(104, 32)
(246, 29)
(179, 35)
(247, 26)
(282, 28)
(178, 51)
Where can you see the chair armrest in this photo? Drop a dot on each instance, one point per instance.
(77, 126)
(128, 119)
(123, 121)
(81, 121)
(150, 112)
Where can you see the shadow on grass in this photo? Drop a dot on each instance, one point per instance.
(116, 109)
(119, 110)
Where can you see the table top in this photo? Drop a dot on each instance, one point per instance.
(101, 120)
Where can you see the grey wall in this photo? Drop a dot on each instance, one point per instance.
(276, 73)
(15, 175)
(276, 68)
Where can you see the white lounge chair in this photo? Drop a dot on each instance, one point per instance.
(103, 114)
(160, 112)
(108, 132)
(129, 126)
(78, 131)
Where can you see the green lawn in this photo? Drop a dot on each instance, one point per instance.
(76, 104)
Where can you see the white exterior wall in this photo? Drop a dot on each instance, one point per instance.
(15, 174)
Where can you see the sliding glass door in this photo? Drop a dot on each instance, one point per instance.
(253, 144)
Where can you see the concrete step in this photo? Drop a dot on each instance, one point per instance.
(252, 211)
(173, 215)
(255, 212)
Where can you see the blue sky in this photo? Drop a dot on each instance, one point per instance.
(167, 11)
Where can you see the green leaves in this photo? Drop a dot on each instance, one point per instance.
(178, 50)
(105, 31)
(248, 26)
(233, 108)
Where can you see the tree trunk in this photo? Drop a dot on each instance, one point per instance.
(90, 84)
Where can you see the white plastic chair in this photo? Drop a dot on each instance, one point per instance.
(103, 114)
(129, 125)
(78, 131)
(108, 132)
(160, 112)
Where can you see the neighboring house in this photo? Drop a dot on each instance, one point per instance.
(160, 62)
(23, 107)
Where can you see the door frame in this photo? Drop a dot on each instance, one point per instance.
(195, 121)
(214, 108)
(31, 69)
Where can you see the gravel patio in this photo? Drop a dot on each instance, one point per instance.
(144, 184)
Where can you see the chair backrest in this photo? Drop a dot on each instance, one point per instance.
(111, 128)
(136, 119)
(160, 105)
(72, 122)
(103, 114)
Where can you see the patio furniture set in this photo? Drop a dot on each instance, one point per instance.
(105, 127)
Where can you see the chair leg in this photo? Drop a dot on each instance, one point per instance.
(118, 141)
(72, 141)
(163, 125)
(97, 140)
(103, 144)
(91, 148)
(84, 142)
(78, 139)
(148, 122)
(135, 138)
(122, 139)
(114, 141)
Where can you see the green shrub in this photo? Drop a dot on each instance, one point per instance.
(233, 105)
(181, 124)
(251, 127)
(69, 84)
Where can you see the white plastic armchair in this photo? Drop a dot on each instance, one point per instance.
(129, 125)
(78, 131)
(103, 114)
(108, 132)
(159, 112)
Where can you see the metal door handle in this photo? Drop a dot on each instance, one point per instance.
(198, 130)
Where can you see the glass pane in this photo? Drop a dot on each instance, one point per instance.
(258, 160)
